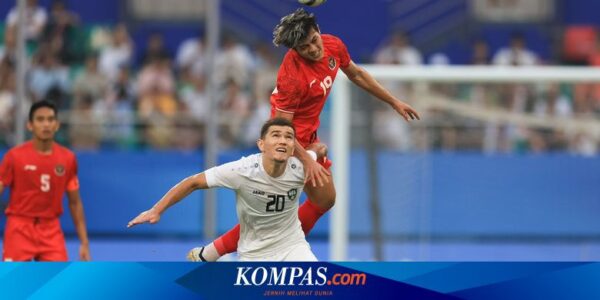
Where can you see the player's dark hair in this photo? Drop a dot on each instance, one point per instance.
(276, 122)
(294, 28)
(41, 104)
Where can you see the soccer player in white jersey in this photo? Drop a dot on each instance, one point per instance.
(267, 185)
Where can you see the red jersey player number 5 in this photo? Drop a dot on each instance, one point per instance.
(39, 173)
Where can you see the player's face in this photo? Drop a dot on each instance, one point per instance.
(44, 124)
(312, 47)
(278, 143)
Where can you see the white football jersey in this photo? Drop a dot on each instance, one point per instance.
(267, 207)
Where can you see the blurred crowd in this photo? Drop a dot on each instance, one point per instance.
(450, 131)
(112, 98)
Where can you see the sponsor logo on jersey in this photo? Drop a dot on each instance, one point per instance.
(332, 63)
(256, 192)
(59, 170)
(30, 168)
(292, 194)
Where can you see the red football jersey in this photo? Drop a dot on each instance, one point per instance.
(303, 86)
(38, 181)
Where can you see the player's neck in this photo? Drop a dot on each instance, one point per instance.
(43, 146)
(272, 167)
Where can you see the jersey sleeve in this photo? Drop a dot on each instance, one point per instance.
(6, 170)
(226, 175)
(289, 90)
(343, 53)
(73, 181)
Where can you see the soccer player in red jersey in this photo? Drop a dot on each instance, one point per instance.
(304, 81)
(38, 173)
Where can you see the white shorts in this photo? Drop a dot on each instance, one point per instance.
(299, 252)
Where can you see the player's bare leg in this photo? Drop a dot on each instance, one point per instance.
(321, 196)
(320, 200)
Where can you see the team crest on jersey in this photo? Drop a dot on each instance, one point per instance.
(59, 170)
(292, 194)
(332, 63)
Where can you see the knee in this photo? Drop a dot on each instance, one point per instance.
(329, 204)
(323, 198)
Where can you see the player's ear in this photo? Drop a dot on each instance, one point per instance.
(261, 145)
(29, 126)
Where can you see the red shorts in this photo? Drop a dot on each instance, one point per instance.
(27, 238)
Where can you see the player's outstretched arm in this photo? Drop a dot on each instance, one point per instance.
(313, 172)
(363, 79)
(174, 195)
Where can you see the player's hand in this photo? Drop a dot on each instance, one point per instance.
(315, 173)
(84, 252)
(406, 111)
(149, 216)
(319, 148)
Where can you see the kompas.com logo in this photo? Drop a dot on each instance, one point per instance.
(295, 276)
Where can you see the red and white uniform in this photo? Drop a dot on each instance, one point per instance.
(37, 185)
(304, 85)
